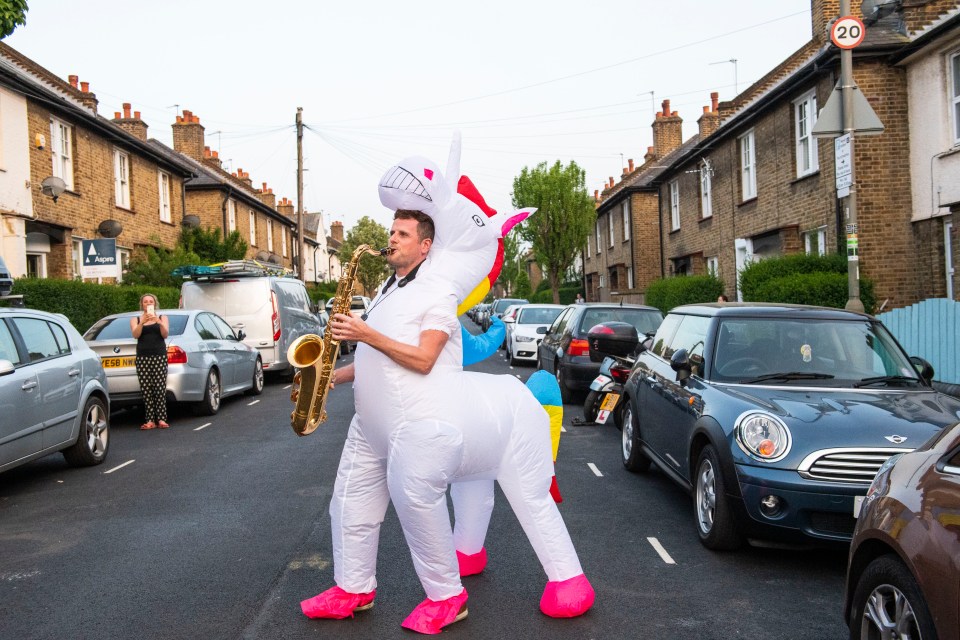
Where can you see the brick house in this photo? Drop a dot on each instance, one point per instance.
(117, 185)
(754, 183)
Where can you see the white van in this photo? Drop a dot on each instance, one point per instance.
(272, 310)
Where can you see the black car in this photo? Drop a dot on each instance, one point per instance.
(776, 417)
(498, 307)
(565, 352)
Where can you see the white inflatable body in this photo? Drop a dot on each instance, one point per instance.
(413, 435)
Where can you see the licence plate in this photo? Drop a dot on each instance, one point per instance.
(118, 363)
(857, 505)
(610, 401)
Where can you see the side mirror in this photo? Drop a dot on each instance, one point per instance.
(240, 334)
(542, 330)
(924, 368)
(6, 367)
(680, 362)
(509, 320)
(612, 339)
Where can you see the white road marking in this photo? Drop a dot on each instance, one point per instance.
(287, 387)
(562, 430)
(120, 467)
(250, 404)
(203, 426)
(660, 551)
(593, 468)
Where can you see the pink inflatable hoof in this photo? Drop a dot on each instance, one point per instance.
(337, 604)
(472, 563)
(567, 599)
(431, 616)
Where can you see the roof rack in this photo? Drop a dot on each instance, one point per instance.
(231, 268)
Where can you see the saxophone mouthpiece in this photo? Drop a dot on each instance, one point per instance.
(386, 251)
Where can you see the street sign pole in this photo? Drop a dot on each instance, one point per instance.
(847, 87)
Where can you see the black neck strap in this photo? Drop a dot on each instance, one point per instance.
(404, 281)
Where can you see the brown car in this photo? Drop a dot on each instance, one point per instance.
(903, 579)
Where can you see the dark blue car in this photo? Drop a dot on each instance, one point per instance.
(776, 417)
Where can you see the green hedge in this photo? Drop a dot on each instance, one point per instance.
(667, 293)
(803, 279)
(84, 303)
(568, 295)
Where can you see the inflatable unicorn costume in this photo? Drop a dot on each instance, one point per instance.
(414, 434)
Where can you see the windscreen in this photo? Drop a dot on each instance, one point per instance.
(119, 328)
(538, 316)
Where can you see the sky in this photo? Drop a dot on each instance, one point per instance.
(525, 81)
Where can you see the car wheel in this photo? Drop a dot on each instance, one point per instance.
(715, 523)
(211, 395)
(618, 413)
(634, 459)
(887, 603)
(257, 387)
(566, 396)
(94, 438)
(591, 406)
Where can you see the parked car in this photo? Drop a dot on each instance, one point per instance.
(564, 351)
(523, 330)
(53, 392)
(902, 577)
(507, 318)
(498, 307)
(271, 310)
(206, 360)
(775, 417)
(480, 317)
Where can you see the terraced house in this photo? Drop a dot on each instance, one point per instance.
(754, 182)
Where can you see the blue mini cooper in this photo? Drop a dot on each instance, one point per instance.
(776, 417)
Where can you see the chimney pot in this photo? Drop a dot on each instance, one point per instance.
(73, 80)
(85, 87)
(706, 108)
(630, 164)
(714, 101)
(126, 109)
(116, 115)
(136, 115)
(264, 187)
(666, 108)
(649, 149)
(216, 154)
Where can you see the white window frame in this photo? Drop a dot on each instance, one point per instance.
(610, 226)
(599, 247)
(121, 178)
(41, 263)
(713, 266)
(629, 277)
(163, 184)
(76, 258)
(61, 151)
(625, 211)
(283, 240)
(748, 166)
(821, 234)
(588, 248)
(231, 215)
(253, 228)
(706, 191)
(955, 95)
(270, 236)
(675, 205)
(123, 259)
(600, 286)
(804, 118)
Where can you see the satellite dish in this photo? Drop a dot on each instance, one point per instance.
(263, 256)
(53, 187)
(191, 221)
(110, 228)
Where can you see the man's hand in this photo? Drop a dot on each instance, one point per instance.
(346, 327)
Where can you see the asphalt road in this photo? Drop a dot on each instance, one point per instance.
(218, 527)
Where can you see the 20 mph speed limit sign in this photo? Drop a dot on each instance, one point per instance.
(847, 32)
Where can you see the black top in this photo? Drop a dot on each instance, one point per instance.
(150, 342)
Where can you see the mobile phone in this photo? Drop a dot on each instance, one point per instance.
(150, 309)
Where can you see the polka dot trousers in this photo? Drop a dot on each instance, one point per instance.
(152, 375)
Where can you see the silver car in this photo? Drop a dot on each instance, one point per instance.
(53, 394)
(206, 360)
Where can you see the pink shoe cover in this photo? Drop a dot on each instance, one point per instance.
(568, 598)
(337, 604)
(430, 616)
(473, 563)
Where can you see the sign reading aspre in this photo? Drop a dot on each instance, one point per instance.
(99, 258)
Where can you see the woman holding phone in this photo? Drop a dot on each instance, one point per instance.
(151, 332)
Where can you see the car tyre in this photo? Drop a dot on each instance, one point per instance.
(93, 441)
(566, 396)
(634, 459)
(714, 517)
(257, 387)
(591, 406)
(211, 395)
(887, 602)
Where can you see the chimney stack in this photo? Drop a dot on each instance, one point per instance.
(266, 197)
(211, 158)
(88, 99)
(132, 124)
(188, 136)
(285, 207)
(649, 156)
(336, 231)
(822, 13)
(710, 120)
(74, 81)
(667, 131)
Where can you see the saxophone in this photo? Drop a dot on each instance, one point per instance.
(314, 356)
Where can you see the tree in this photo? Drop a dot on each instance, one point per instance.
(206, 244)
(372, 271)
(510, 270)
(13, 13)
(565, 215)
(194, 246)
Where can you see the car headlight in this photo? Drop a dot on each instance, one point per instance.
(524, 338)
(763, 436)
(880, 480)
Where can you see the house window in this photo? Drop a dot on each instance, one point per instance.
(706, 188)
(61, 148)
(805, 116)
(588, 248)
(600, 286)
(815, 242)
(674, 205)
(955, 95)
(76, 258)
(283, 240)
(123, 260)
(625, 210)
(121, 178)
(270, 235)
(253, 229)
(231, 216)
(629, 277)
(610, 226)
(748, 167)
(598, 237)
(163, 183)
(36, 265)
(713, 266)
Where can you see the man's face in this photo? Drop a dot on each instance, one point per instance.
(408, 250)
